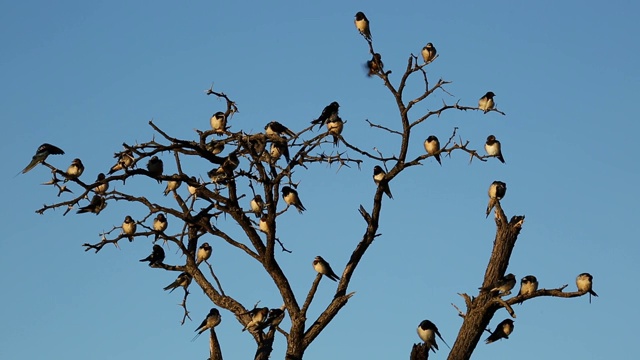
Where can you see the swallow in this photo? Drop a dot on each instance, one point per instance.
(212, 320)
(125, 161)
(528, 285)
(279, 148)
(274, 319)
(497, 190)
(275, 128)
(231, 162)
(257, 205)
(193, 185)
(584, 282)
(103, 186)
(486, 102)
(503, 286)
(429, 53)
(427, 331)
(217, 176)
(159, 225)
(264, 226)
(204, 253)
(96, 205)
(375, 65)
(323, 267)
(184, 279)
(75, 169)
(41, 155)
(379, 178)
(215, 147)
(432, 147)
(291, 197)
(218, 123)
(362, 24)
(334, 127)
(172, 185)
(493, 148)
(258, 315)
(503, 330)
(155, 168)
(129, 227)
(329, 112)
(156, 257)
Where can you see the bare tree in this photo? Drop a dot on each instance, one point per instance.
(258, 169)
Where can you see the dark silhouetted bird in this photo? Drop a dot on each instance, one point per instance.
(329, 112)
(258, 316)
(429, 53)
(503, 330)
(157, 256)
(212, 320)
(96, 205)
(493, 148)
(159, 225)
(275, 128)
(129, 227)
(375, 65)
(362, 24)
(379, 178)
(41, 155)
(75, 169)
(184, 279)
(432, 146)
(204, 253)
(584, 282)
(502, 286)
(103, 186)
(486, 102)
(291, 197)
(257, 205)
(497, 190)
(155, 168)
(218, 123)
(215, 147)
(125, 161)
(323, 267)
(427, 331)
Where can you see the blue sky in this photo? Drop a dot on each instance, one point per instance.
(87, 76)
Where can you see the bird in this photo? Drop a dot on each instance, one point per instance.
(204, 253)
(334, 127)
(193, 185)
(103, 186)
(257, 205)
(291, 197)
(215, 147)
(129, 227)
(275, 128)
(97, 204)
(184, 279)
(156, 257)
(362, 24)
(429, 53)
(159, 225)
(75, 169)
(231, 162)
(274, 319)
(41, 155)
(125, 161)
(497, 190)
(375, 65)
(493, 148)
(486, 102)
(263, 225)
(258, 315)
(330, 111)
(528, 285)
(155, 168)
(503, 330)
(584, 282)
(172, 185)
(502, 286)
(427, 331)
(432, 147)
(279, 148)
(379, 178)
(217, 176)
(212, 320)
(218, 122)
(323, 267)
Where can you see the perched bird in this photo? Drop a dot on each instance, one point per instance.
(218, 123)
(41, 155)
(103, 186)
(184, 279)
(528, 285)
(75, 169)
(159, 225)
(274, 319)
(231, 162)
(217, 176)
(375, 65)
(432, 146)
(193, 185)
(584, 282)
(335, 126)
(362, 24)
(96, 205)
(258, 315)
(291, 197)
(486, 102)
(503, 286)
(275, 128)
(172, 185)
(497, 190)
(323, 267)
(125, 161)
(379, 178)
(215, 147)
(493, 148)
(429, 53)
(155, 168)
(264, 226)
(204, 253)
(279, 148)
(503, 330)
(329, 112)
(212, 320)
(129, 227)
(427, 331)
(156, 257)
(257, 205)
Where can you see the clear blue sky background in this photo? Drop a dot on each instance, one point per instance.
(87, 76)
